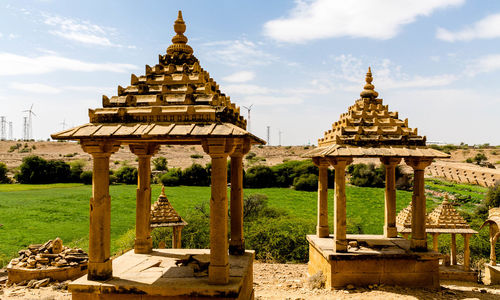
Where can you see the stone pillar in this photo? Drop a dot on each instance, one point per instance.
(218, 149)
(237, 242)
(322, 229)
(176, 237)
(100, 267)
(493, 240)
(390, 164)
(143, 242)
(339, 214)
(453, 250)
(418, 240)
(466, 251)
(435, 241)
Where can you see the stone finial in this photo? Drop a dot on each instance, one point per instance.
(179, 41)
(369, 88)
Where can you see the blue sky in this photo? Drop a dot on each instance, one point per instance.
(301, 63)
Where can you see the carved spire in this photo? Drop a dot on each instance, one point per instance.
(163, 191)
(369, 88)
(179, 41)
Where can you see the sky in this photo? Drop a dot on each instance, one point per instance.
(300, 63)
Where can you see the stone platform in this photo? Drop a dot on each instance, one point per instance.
(457, 272)
(378, 260)
(155, 276)
(17, 275)
(491, 274)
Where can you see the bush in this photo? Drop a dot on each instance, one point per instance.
(480, 158)
(172, 177)
(3, 174)
(86, 177)
(195, 175)
(195, 156)
(256, 206)
(259, 177)
(493, 196)
(126, 174)
(36, 170)
(306, 182)
(250, 155)
(366, 175)
(160, 163)
(76, 169)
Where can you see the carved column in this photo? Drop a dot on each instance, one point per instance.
(237, 242)
(493, 241)
(100, 267)
(176, 237)
(143, 242)
(453, 250)
(339, 214)
(466, 251)
(390, 164)
(418, 240)
(322, 229)
(218, 149)
(435, 240)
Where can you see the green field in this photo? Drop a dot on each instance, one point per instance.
(37, 213)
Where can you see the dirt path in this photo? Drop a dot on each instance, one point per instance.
(289, 281)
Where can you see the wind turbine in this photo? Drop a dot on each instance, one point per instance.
(63, 123)
(29, 129)
(249, 108)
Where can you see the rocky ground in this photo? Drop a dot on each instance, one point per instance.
(289, 281)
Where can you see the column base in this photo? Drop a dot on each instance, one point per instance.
(143, 246)
(236, 247)
(339, 245)
(100, 271)
(390, 232)
(418, 245)
(322, 231)
(218, 274)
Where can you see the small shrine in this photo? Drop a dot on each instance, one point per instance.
(370, 130)
(444, 219)
(175, 102)
(492, 269)
(164, 215)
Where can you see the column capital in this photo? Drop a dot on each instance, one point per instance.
(418, 163)
(241, 148)
(100, 148)
(218, 147)
(320, 162)
(144, 148)
(390, 161)
(339, 162)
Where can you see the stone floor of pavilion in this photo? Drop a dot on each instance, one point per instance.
(376, 260)
(156, 276)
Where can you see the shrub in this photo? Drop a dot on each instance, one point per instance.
(76, 169)
(306, 182)
(3, 174)
(493, 196)
(250, 155)
(86, 177)
(256, 206)
(195, 156)
(160, 163)
(126, 174)
(172, 177)
(286, 172)
(195, 175)
(259, 177)
(36, 170)
(480, 158)
(366, 175)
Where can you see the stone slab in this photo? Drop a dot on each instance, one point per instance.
(491, 274)
(155, 276)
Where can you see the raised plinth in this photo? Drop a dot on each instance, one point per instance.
(491, 274)
(17, 275)
(156, 276)
(377, 260)
(457, 272)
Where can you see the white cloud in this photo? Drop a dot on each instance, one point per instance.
(484, 64)
(320, 19)
(37, 88)
(242, 76)
(486, 28)
(1, 35)
(239, 53)
(13, 64)
(81, 31)
(266, 100)
(245, 89)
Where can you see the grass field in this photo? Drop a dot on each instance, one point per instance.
(37, 213)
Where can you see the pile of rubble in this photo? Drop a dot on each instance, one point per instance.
(50, 254)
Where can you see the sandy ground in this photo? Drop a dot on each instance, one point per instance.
(289, 281)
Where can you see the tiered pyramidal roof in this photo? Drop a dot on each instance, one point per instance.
(175, 99)
(369, 129)
(163, 214)
(370, 123)
(403, 220)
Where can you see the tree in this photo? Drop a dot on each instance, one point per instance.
(3, 174)
(259, 177)
(195, 175)
(126, 174)
(160, 163)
